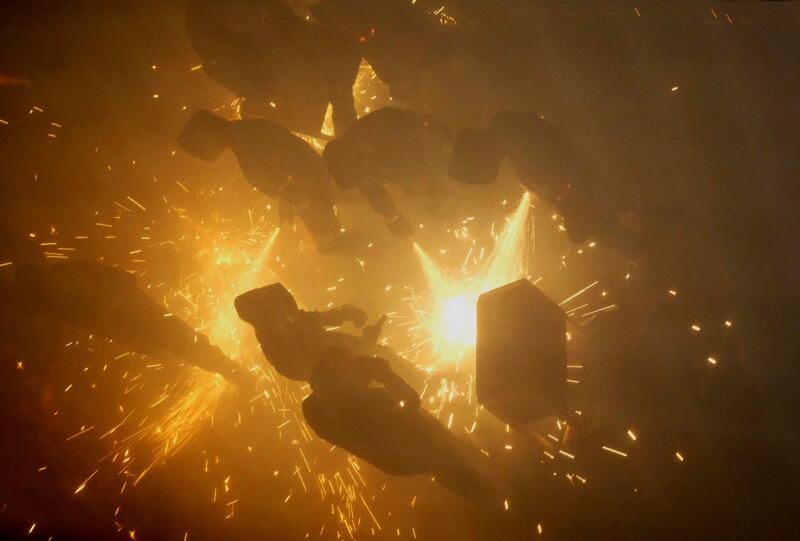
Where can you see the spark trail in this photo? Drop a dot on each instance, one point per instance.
(446, 319)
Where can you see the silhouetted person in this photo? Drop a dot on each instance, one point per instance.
(280, 165)
(548, 163)
(456, 74)
(320, 68)
(294, 340)
(392, 146)
(241, 42)
(108, 302)
(384, 424)
(287, 69)
(401, 42)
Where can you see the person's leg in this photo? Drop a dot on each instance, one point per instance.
(452, 460)
(138, 321)
(314, 416)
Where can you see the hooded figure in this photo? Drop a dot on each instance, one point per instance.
(294, 340)
(281, 165)
(549, 163)
(392, 146)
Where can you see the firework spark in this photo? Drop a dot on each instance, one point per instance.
(200, 393)
(446, 319)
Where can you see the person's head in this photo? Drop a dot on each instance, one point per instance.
(476, 157)
(345, 162)
(205, 136)
(267, 305)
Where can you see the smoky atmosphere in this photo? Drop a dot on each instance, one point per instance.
(399, 269)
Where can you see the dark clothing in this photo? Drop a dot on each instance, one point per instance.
(388, 146)
(287, 69)
(320, 68)
(552, 165)
(399, 40)
(442, 69)
(280, 164)
(294, 340)
(241, 43)
(339, 374)
(385, 425)
(391, 146)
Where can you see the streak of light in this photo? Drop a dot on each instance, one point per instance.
(83, 485)
(195, 399)
(614, 451)
(581, 292)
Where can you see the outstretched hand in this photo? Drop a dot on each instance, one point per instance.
(372, 332)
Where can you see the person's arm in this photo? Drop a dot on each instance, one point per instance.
(211, 359)
(383, 203)
(343, 70)
(378, 370)
(340, 315)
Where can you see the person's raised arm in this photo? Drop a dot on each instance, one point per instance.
(338, 316)
(383, 203)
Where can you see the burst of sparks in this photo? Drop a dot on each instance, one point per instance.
(200, 393)
(445, 326)
(446, 317)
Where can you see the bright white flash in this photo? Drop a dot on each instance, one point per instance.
(446, 317)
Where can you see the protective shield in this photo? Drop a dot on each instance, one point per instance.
(521, 354)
